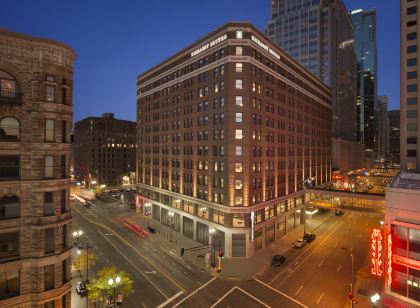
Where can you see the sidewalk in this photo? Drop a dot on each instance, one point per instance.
(232, 268)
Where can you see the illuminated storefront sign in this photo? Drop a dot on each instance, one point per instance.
(252, 226)
(389, 252)
(376, 252)
(209, 45)
(264, 46)
(139, 201)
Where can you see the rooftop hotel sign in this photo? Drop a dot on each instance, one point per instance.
(264, 46)
(208, 45)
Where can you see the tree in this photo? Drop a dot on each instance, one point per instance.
(99, 289)
(80, 262)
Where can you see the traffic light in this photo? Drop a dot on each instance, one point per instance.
(182, 252)
(221, 255)
(350, 292)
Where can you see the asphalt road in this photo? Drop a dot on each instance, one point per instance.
(158, 273)
(319, 274)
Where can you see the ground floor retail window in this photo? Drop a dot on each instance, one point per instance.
(258, 240)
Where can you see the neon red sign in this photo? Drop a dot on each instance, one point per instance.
(139, 201)
(389, 252)
(376, 252)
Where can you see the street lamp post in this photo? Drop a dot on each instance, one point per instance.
(113, 284)
(77, 234)
(171, 218)
(212, 232)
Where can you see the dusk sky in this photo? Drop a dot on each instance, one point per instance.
(117, 40)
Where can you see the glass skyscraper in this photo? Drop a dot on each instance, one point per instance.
(319, 34)
(364, 25)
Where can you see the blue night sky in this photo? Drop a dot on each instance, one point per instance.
(117, 40)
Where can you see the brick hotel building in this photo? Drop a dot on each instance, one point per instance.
(36, 113)
(228, 130)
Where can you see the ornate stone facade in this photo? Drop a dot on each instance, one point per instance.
(36, 79)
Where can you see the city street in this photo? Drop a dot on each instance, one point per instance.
(158, 273)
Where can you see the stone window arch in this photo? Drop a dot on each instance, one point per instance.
(9, 129)
(9, 87)
(9, 207)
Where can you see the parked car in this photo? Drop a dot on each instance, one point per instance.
(309, 237)
(278, 260)
(339, 213)
(81, 288)
(299, 243)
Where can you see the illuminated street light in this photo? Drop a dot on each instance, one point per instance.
(375, 299)
(212, 232)
(382, 223)
(171, 219)
(113, 286)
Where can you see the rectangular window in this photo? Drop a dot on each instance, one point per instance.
(9, 283)
(63, 167)
(64, 237)
(412, 62)
(412, 101)
(9, 245)
(412, 49)
(412, 10)
(64, 96)
(411, 140)
(412, 114)
(238, 184)
(238, 134)
(49, 241)
(238, 84)
(238, 67)
(239, 34)
(411, 36)
(412, 88)
(8, 88)
(50, 93)
(412, 127)
(49, 278)
(49, 130)
(238, 151)
(238, 201)
(411, 153)
(49, 206)
(63, 201)
(411, 23)
(9, 167)
(239, 51)
(63, 131)
(238, 167)
(412, 75)
(49, 166)
(50, 304)
(216, 88)
(238, 117)
(64, 271)
(239, 101)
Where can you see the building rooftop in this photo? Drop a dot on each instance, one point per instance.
(406, 179)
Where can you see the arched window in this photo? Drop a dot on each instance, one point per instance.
(9, 207)
(9, 87)
(9, 129)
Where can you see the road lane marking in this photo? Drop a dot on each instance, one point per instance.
(301, 287)
(150, 272)
(319, 299)
(339, 269)
(307, 256)
(168, 300)
(320, 264)
(123, 240)
(145, 305)
(277, 291)
(238, 288)
(135, 266)
(195, 291)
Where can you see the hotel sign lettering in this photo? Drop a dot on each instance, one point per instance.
(208, 45)
(264, 46)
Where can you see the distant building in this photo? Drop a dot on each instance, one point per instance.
(402, 239)
(409, 115)
(105, 150)
(382, 128)
(394, 135)
(319, 35)
(364, 25)
(36, 113)
(229, 130)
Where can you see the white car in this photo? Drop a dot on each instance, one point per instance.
(299, 243)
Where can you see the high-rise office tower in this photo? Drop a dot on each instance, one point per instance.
(319, 35)
(394, 135)
(381, 117)
(410, 125)
(364, 26)
(228, 130)
(36, 111)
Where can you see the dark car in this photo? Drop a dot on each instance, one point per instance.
(81, 288)
(309, 237)
(88, 204)
(339, 213)
(278, 260)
